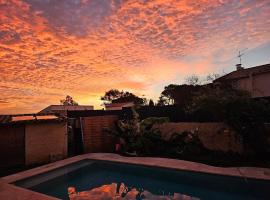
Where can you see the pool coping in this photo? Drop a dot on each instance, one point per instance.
(9, 191)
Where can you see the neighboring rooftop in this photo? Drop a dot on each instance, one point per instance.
(245, 72)
(59, 109)
(28, 118)
(32, 117)
(118, 106)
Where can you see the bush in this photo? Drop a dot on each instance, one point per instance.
(145, 139)
(185, 144)
(140, 137)
(237, 109)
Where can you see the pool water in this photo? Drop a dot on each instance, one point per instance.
(93, 180)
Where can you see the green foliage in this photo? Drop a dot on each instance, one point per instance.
(236, 108)
(141, 137)
(186, 144)
(148, 123)
(211, 103)
(144, 138)
(247, 117)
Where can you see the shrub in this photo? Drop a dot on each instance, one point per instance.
(236, 108)
(140, 137)
(185, 144)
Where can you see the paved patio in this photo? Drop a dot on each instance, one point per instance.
(9, 191)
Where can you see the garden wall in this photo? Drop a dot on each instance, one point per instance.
(45, 142)
(32, 142)
(214, 136)
(11, 146)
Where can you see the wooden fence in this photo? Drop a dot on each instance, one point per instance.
(94, 137)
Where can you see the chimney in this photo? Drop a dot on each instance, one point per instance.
(239, 67)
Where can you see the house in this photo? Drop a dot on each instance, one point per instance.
(61, 110)
(255, 80)
(27, 140)
(118, 106)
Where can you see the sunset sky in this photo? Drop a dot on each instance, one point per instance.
(51, 48)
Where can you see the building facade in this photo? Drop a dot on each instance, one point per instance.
(255, 80)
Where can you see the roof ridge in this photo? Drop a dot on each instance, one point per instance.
(245, 72)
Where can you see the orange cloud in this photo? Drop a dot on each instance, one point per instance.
(52, 48)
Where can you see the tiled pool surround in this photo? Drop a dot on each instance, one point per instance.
(9, 191)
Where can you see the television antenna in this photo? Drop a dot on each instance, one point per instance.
(240, 54)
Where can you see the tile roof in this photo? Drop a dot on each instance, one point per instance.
(27, 118)
(55, 108)
(22, 119)
(119, 104)
(243, 73)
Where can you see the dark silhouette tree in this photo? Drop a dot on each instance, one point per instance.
(193, 80)
(211, 77)
(179, 94)
(196, 80)
(116, 96)
(112, 95)
(163, 101)
(151, 103)
(68, 101)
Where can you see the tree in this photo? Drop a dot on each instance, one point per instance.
(151, 102)
(237, 109)
(68, 101)
(211, 77)
(193, 80)
(196, 80)
(116, 96)
(162, 101)
(182, 94)
(178, 94)
(112, 95)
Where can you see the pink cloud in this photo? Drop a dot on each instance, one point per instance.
(47, 53)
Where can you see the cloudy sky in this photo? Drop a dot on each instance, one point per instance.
(51, 48)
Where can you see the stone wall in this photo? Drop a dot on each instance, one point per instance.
(214, 136)
(45, 142)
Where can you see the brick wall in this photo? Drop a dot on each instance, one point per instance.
(94, 138)
(45, 142)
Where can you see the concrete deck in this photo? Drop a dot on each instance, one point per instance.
(9, 191)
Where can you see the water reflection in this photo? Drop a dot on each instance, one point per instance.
(119, 191)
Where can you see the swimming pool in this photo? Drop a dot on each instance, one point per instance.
(92, 179)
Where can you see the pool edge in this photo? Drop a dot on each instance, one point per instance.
(241, 172)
